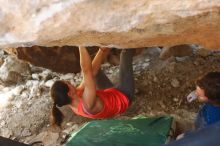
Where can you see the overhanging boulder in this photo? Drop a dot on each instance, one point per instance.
(113, 23)
(63, 59)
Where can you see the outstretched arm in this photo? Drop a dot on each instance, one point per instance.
(89, 94)
(96, 63)
(99, 58)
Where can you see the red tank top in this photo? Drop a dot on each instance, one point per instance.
(114, 103)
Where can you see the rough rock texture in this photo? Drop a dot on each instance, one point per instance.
(118, 23)
(177, 51)
(12, 70)
(59, 59)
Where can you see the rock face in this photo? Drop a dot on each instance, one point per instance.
(115, 23)
(60, 59)
(177, 51)
(12, 70)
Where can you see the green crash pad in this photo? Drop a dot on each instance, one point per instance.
(133, 132)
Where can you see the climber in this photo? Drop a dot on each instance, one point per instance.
(96, 97)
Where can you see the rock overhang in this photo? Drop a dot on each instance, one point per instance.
(115, 23)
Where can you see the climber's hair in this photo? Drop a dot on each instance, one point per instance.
(210, 83)
(59, 94)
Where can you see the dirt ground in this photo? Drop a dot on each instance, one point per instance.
(161, 89)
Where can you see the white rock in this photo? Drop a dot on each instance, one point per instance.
(181, 59)
(161, 103)
(3, 123)
(49, 83)
(110, 71)
(24, 95)
(31, 83)
(35, 76)
(69, 124)
(34, 91)
(175, 99)
(11, 77)
(145, 65)
(6, 133)
(137, 72)
(13, 69)
(73, 82)
(147, 60)
(105, 65)
(135, 67)
(70, 129)
(155, 79)
(175, 83)
(46, 72)
(29, 103)
(26, 132)
(13, 64)
(67, 76)
(136, 91)
(17, 90)
(6, 89)
(18, 104)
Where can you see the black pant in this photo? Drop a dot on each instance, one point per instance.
(126, 80)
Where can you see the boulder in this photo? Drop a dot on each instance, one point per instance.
(113, 23)
(60, 59)
(176, 51)
(12, 70)
(203, 52)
